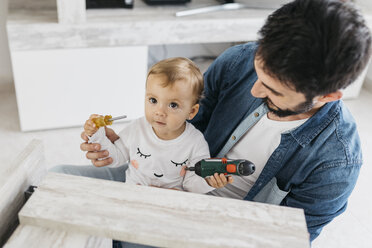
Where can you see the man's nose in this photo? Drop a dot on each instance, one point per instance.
(258, 90)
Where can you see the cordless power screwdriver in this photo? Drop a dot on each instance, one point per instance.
(207, 167)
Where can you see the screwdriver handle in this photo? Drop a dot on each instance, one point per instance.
(106, 120)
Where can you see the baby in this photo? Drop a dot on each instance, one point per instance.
(160, 145)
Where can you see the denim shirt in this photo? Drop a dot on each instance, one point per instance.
(315, 166)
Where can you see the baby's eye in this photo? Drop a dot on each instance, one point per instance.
(152, 100)
(173, 105)
(141, 154)
(177, 164)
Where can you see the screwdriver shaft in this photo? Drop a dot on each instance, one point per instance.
(118, 118)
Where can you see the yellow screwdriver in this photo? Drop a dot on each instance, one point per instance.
(106, 120)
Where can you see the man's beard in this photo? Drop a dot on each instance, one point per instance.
(299, 109)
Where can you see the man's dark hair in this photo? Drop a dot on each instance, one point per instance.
(315, 46)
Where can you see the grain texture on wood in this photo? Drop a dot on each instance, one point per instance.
(160, 217)
(41, 237)
(27, 169)
(143, 25)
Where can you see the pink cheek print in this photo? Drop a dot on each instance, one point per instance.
(183, 171)
(134, 163)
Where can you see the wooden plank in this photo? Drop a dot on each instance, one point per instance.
(142, 25)
(32, 5)
(160, 217)
(27, 169)
(41, 237)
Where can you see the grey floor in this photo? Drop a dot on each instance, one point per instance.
(351, 229)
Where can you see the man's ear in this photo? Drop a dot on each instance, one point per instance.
(194, 111)
(334, 96)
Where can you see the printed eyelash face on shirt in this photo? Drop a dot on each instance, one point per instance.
(182, 163)
(172, 173)
(142, 154)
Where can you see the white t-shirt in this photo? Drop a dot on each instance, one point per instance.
(256, 145)
(154, 161)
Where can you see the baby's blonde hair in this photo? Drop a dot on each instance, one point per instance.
(180, 68)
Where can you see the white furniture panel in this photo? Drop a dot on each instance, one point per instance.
(41, 237)
(27, 169)
(61, 88)
(160, 217)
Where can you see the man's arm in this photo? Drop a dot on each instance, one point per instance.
(208, 102)
(323, 195)
(213, 81)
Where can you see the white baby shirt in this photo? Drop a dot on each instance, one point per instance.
(157, 162)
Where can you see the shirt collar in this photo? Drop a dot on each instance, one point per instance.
(305, 133)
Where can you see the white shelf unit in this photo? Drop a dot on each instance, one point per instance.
(69, 63)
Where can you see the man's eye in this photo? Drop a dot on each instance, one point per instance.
(153, 100)
(173, 105)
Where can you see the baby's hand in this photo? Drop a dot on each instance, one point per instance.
(219, 180)
(89, 126)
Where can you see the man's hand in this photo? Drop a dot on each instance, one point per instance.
(93, 150)
(219, 181)
(111, 135)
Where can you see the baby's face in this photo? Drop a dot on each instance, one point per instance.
(168, 108)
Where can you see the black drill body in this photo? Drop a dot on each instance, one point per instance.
(207, 167)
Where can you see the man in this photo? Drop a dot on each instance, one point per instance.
(277, 103)
(306, 147)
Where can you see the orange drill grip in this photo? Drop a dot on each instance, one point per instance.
(231, 168)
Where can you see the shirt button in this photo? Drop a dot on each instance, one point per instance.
(256, 114)
(233, 137)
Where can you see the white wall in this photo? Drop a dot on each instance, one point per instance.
(6, 78)
(366, 6)
(368, 81)
(365, 3)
